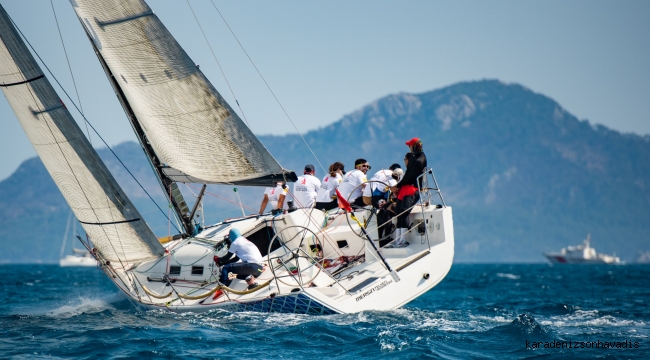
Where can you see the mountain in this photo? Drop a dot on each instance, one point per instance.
(522, 174)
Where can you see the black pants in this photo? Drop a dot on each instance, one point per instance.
(383, 216)
(327, 205)
(402, 205)
(241, 269)
(358, 202)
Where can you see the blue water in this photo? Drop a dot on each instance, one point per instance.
(478, 311)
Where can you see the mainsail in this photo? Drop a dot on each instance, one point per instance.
(195, 134)
(115, 227)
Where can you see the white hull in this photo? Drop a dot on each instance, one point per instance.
(365, 286)
(558, 258)
(72, 260)
(581, 254)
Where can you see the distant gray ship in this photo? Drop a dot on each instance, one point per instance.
(581, 254)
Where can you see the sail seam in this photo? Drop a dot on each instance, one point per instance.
(128, 18)
(22, 82)
(46, 110)
(84, 117)
(34, 97)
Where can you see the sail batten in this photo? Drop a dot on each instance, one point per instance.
(189, 125)
(98, 202)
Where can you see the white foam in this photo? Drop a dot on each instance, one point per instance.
(84, 306)
(589, 318)
(387, 346)
(508, 276)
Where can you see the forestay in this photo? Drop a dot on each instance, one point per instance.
(115, 227)
(192, 129)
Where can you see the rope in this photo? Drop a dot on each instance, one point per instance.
(86, 120)
(217, 61)
(269, 87)
(204, 295)
(222, 198)
(69, 67)
(153, 294)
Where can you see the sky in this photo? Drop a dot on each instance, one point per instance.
(323, 60)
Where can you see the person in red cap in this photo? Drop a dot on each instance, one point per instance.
(407, 189)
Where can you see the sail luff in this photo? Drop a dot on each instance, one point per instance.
(189, 125)
(115, 227)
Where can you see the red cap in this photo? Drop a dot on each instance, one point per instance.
(412, 141)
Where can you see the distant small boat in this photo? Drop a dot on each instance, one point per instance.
(581, 254)
(79, 257)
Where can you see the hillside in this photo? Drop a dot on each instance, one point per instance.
(522, 174)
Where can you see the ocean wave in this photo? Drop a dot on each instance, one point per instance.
(509, 276)
(589, 318)
(524, 326)
(84, 306)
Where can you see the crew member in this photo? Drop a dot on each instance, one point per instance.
(305, 189)
(275, 195)
(407, 189)
(350, 188)
(326, 198)
(250, 266)
(377, 187)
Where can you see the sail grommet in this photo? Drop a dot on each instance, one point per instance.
(425, 276)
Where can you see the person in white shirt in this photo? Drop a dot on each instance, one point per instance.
(375, 191)
(305, 189)
(326, 198)
(251, 262)
(275, 195)
(350, 188)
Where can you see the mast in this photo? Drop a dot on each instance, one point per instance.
(169, 187)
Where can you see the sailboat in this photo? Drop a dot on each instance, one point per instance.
(315, 262)
(79, 257)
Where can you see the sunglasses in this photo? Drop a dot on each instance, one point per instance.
(366, 165)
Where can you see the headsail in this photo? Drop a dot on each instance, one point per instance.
(194, 132)
(115, 227)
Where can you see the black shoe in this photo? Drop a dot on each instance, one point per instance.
(385, 241)
(252, 286)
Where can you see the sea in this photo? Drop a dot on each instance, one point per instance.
(479, 311)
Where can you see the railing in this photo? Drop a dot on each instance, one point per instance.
(423, 184)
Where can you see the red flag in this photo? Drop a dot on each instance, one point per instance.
(343, 204)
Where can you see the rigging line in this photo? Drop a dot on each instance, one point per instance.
(215, 59)
(87, 122)
(69, 67)
(117, 232)
(221, 197)
(269, 87)
(65, 237)
(74, 174)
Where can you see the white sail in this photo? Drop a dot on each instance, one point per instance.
(192, 129)
(115, 227)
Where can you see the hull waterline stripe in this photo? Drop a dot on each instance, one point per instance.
(110, 223)
(22, 82)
